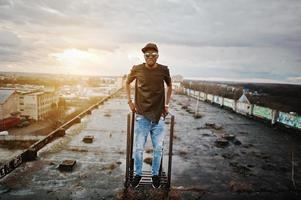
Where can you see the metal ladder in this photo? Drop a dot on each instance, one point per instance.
(146, 175)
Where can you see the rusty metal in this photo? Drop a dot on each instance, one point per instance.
(221, 142)
(60, 133)
(126, 184)
(172, 119)
(88, 139)
(10, 166)
(160, 169)
(132, 142)
(146, 179)
(146, 175)
(31, 153)
(129, 149)
(67, 165)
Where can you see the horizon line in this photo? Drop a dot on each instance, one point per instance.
(208, 79)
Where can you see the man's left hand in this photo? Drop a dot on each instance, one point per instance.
(165, 110)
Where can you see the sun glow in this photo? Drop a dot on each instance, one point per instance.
(73, 56)
(78, 61)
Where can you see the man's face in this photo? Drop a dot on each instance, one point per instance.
(151, 57)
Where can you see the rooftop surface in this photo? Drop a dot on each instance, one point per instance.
(4, 94)
(258, 168)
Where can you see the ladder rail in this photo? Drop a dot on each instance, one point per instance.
(129, 151)
(172, 122)
(126, 184)
(132, 128)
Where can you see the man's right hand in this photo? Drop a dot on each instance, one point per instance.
(132, 106)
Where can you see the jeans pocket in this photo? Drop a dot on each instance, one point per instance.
(138, 117)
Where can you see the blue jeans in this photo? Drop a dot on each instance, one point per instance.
(143, 127)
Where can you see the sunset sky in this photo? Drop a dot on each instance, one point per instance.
(253, 40)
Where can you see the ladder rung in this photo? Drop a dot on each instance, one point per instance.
(150, 183)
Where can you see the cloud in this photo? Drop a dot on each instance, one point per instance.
(243, 38)
(294, 79)
(9, 39)
(10, 47)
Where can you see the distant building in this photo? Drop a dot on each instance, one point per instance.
(243, 105)
(177, 78)
(8, 103)
(37, 105)
(8, 109)
(119, 82)
(244, 98)
(176, 82)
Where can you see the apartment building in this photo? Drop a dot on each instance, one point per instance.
(37, 105)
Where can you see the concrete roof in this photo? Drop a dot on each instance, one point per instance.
(4, 94)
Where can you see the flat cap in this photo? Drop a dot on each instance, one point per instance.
(149, 46)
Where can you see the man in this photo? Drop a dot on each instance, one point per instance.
(151, 107)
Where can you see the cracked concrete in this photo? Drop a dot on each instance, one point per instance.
(258, 168)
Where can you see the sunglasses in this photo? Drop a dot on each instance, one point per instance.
(153, 54)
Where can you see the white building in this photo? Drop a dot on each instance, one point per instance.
(176, 83)
(243, 105)
(37, 105)
(119, 82)
(177, 78)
